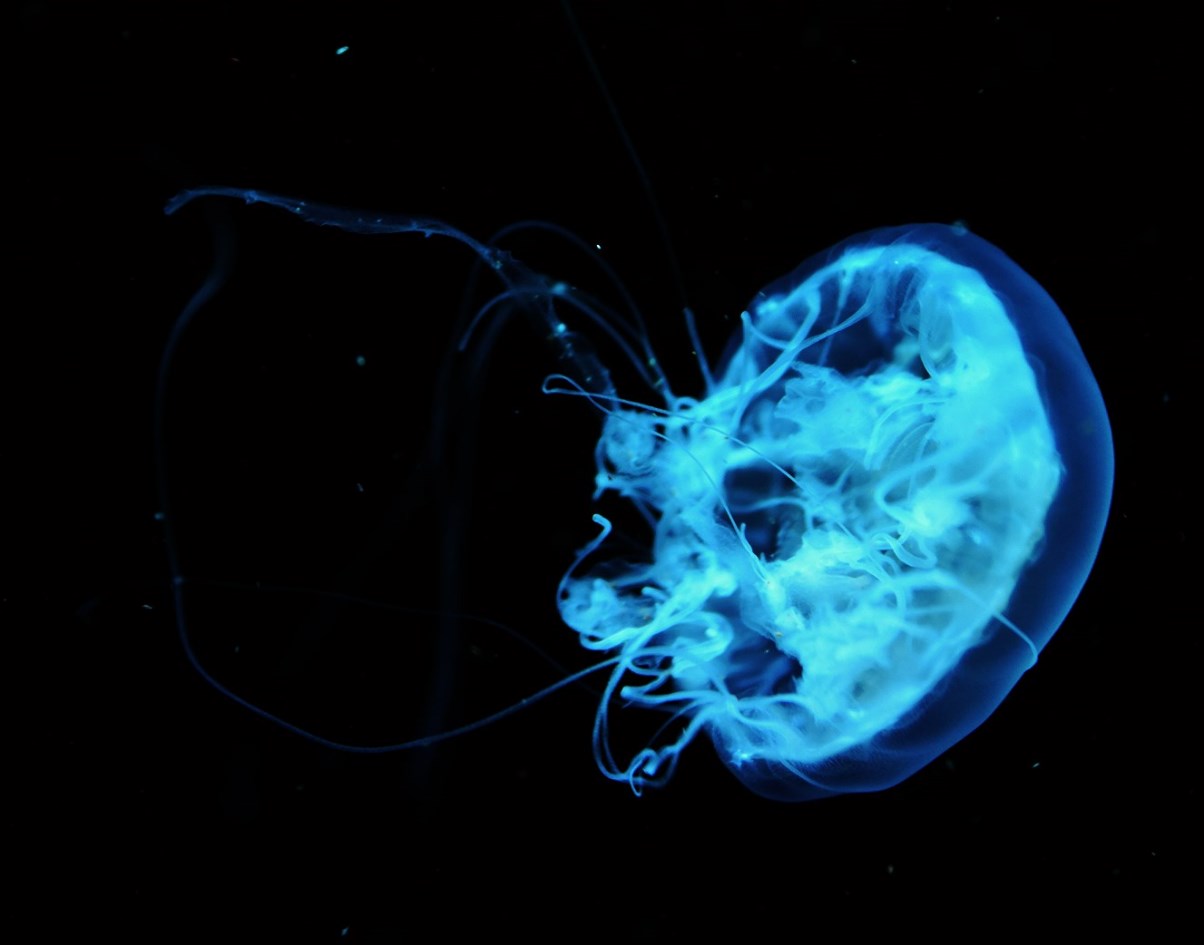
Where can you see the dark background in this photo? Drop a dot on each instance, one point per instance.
(767, 134)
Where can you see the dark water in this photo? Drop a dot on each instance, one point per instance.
(766, 135)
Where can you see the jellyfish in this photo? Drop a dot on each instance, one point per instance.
(862, 530)
(881, 509)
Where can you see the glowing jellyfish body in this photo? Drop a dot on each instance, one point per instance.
(879, 512)
(882, 509)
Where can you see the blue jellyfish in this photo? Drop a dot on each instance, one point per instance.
(864, 532)
(881, 507)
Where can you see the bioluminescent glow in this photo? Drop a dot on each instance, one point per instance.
(865, 531)
(876, 514)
